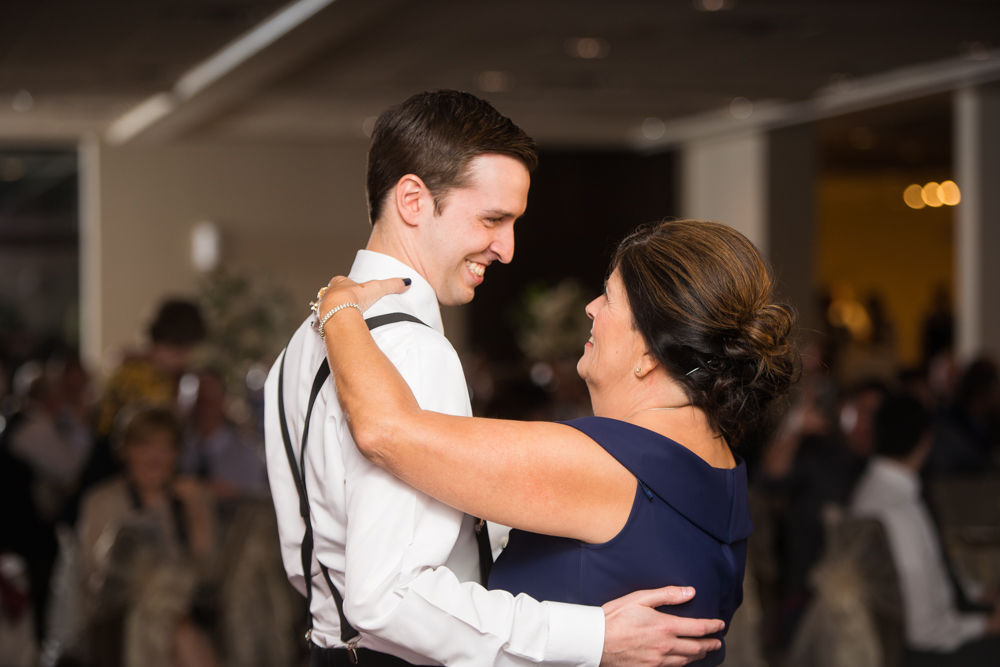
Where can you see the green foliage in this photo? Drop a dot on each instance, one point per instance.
(249, 322)
(551, 322)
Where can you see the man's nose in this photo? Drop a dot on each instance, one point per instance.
(503, 243)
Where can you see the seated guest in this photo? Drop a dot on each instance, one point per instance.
(146, 544)
(216, 451)
(148, 377)
(813, 461)
(936, 632)
(966, 431)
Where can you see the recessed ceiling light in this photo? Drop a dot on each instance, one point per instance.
(713, 5)
(23, 101)
(741, 108)
(653, 128)
(587, 47)
(496, 81)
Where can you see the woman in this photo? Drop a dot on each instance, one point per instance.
(147, 541)
(687, 352)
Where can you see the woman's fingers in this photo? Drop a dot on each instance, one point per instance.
(342, 290)
(373, 290)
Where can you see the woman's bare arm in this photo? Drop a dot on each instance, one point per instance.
(538, 476)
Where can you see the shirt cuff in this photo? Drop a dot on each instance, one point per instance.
(576, 635)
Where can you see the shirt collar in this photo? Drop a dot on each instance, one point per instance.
(369, 265)
(896, 477)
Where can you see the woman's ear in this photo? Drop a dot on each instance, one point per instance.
(647, 364)
(413, 199)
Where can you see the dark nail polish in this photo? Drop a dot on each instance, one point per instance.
(407, 281)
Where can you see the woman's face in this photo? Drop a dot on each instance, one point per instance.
(151, 462)
(615, 347)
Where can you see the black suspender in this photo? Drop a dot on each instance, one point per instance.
(347, 633)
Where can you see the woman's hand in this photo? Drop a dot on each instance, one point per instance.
(343, 290)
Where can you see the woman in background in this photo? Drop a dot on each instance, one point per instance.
(147, 542)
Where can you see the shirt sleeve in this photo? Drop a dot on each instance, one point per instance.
(400, 596)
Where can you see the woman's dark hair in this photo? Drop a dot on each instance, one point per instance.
(436, 135)
(179, 323)
(146, 422)
(701, 296)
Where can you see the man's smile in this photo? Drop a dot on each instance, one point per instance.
(475, 268)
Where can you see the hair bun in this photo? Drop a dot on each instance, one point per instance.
(701, 294)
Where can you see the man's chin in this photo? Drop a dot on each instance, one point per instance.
(457, 299)
(458, 295)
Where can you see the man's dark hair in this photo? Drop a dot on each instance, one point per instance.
(179, 323)
(899, 425)
(435, 136)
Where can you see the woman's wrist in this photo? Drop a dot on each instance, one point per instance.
(332, 312)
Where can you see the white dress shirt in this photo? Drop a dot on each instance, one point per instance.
(890, 492)
(406, 564)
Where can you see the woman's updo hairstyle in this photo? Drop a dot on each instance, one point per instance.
(701, 296)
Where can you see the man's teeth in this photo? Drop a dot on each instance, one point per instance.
(478, 269)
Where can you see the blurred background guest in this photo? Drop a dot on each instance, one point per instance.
(215, 450)
(42, 452)
(937, 633)
(149, 377)
(148, 542)
(967, 433)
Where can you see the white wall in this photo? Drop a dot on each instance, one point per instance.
(296, 211)
(725, 180)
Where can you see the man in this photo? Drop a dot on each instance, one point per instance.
(447, 177)
(937, 633)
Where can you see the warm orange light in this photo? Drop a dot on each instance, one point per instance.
(929, 193)
(912, 196)
(949, 193)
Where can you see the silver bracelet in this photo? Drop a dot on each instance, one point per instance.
(334, 312)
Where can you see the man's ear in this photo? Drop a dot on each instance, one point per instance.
(413, 199)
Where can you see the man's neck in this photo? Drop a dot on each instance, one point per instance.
(387, 241)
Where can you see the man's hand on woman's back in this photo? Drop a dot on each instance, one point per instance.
(636, 635)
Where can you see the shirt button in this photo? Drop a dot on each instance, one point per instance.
(503, 542)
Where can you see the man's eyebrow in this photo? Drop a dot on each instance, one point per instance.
(498, 213)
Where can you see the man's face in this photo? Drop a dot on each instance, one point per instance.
(475, 227)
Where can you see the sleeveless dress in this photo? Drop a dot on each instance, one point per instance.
(688, 527)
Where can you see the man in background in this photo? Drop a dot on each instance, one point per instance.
(937, 633)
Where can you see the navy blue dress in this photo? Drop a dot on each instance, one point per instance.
(688, 527)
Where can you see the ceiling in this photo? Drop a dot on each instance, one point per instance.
(85, 63)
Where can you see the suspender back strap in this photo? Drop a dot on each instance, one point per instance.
(347, 633)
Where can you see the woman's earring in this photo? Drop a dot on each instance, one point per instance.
(638, 370)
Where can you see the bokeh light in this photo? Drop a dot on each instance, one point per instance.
(929, 193)
(913, 196)
(652, 128)
(495, 81)
(23, 101)
(587, 47)
(741, 108)
(949, 193)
